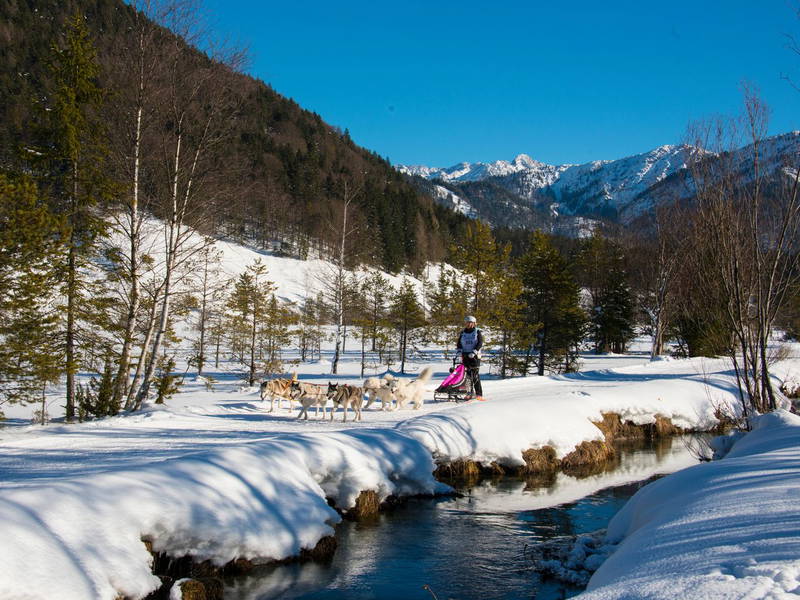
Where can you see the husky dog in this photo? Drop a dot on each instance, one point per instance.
(308, 395)
(345, 396)
(277, 388)
(382, 389)
(412, 391)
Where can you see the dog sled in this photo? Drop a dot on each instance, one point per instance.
(456, 387)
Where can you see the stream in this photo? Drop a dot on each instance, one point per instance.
(474, 547)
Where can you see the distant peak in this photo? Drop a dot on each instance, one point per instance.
(526, 161)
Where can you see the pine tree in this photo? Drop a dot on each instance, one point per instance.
(69, 165)
(361, 320)
(448, 306)
(249, 306)
(600, 267)
(553, 308)
(167, 383)
(275, 331)
(476, 254)
(96, 399)
(31, 241)
(374, 290)
(309, 330)
(211, 291)
(791, 315)
(613, 317)
(506, 315)
(406, 314)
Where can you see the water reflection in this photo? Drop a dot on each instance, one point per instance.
(467, 548)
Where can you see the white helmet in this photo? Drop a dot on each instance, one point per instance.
(470, 319)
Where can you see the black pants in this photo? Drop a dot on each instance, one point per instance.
(473, 366)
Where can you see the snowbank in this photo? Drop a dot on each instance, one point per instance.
(726, 529)
(81, 538)
(560, 412)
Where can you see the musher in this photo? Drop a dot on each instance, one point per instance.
(469, 344)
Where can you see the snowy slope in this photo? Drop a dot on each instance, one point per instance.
(294, 279)
(454, 201)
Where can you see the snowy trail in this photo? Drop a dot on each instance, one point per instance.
(553, 411)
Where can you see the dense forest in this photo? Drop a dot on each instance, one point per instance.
(280, 170)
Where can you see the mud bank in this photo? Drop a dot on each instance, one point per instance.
(587, 458)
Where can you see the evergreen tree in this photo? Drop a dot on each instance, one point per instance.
(31, 241)
(552, 304)
(613, 317)
(791, 315)
(275, 331)
(477, 255)
(406, 314)
(69, 165)
(96, 399)
(374, 290)
(167, 384)
(361, 319)
(249, 307)
(506, 316)
(310, 329)
(211, 292)
(352, 300)
(600, 266)
(448, 306)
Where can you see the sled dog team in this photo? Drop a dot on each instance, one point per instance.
(387, 389)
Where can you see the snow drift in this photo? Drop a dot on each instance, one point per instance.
(82, 538)
(726, 529)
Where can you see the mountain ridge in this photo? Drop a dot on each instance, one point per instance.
(621, 190)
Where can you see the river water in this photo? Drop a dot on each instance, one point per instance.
(474, 547)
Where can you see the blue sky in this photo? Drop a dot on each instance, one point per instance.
(437, 83)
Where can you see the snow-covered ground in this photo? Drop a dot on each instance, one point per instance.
(213, 474)
(726, 529)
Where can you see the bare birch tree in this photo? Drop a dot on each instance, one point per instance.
(335, 279)
(199, 99)
(137, 104)
(748, 216)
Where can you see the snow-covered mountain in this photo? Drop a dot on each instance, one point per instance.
(622, 189)
(477, 171)
(456, 202)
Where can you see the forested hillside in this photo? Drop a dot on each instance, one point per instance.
(281, 172)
